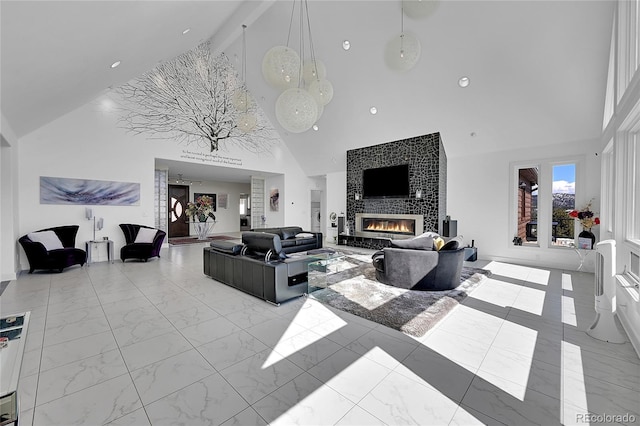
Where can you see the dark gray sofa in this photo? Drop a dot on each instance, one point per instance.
(258, 267)
(292, 244)
(418, 266)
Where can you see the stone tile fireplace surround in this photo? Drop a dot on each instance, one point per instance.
(427, 172)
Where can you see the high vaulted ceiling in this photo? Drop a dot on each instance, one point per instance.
(537, 68)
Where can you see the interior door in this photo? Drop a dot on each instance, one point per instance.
(178, 198)
(315, 219)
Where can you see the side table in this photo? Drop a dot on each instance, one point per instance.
(89, 247)
(471, 254)
(582, 254)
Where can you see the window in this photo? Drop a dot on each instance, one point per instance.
(543, 196)
(527, 206)
(563, 194)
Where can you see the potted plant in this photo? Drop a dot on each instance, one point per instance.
(588, 220)
(201, 209)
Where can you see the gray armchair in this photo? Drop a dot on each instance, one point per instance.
(417, 269)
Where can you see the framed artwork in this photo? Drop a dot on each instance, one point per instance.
(56, 190)
(274, 200)
(222, 201)
(213, 197)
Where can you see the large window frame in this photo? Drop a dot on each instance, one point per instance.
(545, 197)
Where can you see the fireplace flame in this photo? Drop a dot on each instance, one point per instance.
(389, 226)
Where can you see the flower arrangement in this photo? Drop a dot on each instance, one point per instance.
(586, 217)
(202, 208)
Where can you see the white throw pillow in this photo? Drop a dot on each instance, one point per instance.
(433, 235)
(304, 235)
(146, 235)
(48, 239)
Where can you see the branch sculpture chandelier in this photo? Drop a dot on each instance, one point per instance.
(305, 88)
(195, 98)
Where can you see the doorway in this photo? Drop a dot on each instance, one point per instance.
(178, 198)
(316, 207)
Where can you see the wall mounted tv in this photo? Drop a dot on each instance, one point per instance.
(386, 182)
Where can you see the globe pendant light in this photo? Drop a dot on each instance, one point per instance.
(402, 52)
(322, 91)
(296, 110)
(246, 120)
(281, 67)
(419, 9)
(241, 99)
(313, 70)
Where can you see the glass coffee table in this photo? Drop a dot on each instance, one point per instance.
(325, 265)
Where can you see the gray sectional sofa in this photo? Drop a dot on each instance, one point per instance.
(417, 265)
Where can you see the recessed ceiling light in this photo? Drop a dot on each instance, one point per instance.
(373, 110)
(346, 45)
(464, 81)
(186, 31)
(115, 64)
(315, 127)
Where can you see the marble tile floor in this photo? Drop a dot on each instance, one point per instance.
(159, 343)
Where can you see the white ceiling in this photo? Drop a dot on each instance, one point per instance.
(537, 68)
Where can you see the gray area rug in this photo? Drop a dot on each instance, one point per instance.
(355, 290)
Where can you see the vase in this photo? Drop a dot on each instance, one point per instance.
(586, 233)
(203, 229)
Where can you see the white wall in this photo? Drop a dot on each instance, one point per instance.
(88, 144)
(275, 218)
(8, 207)
(336, 189)
(227, 219)
(478, 197)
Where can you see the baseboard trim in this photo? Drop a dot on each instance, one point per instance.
(540, 263)
(9, 277)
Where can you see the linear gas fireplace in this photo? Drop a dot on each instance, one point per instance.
(389, 225)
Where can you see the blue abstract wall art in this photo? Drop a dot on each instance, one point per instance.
(55, 190)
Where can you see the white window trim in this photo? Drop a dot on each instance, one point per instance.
(545, 198)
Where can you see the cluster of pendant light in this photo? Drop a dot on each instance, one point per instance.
(302, 80)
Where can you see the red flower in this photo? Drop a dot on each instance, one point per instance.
(574, 213)
(597, 220)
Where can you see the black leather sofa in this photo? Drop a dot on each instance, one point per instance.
(58, 259)
(258, 267)
(289, 240)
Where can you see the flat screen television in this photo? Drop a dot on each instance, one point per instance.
(386, 182)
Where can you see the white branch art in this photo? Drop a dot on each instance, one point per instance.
(189, 99)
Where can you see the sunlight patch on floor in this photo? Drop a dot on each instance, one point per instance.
(578, 389)
(531, 300)
(506, 369)
(309, 315)
(519, 272)
(567, 283)
(539, 276)
(569, 311)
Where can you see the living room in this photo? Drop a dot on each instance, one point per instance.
(518, 111)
